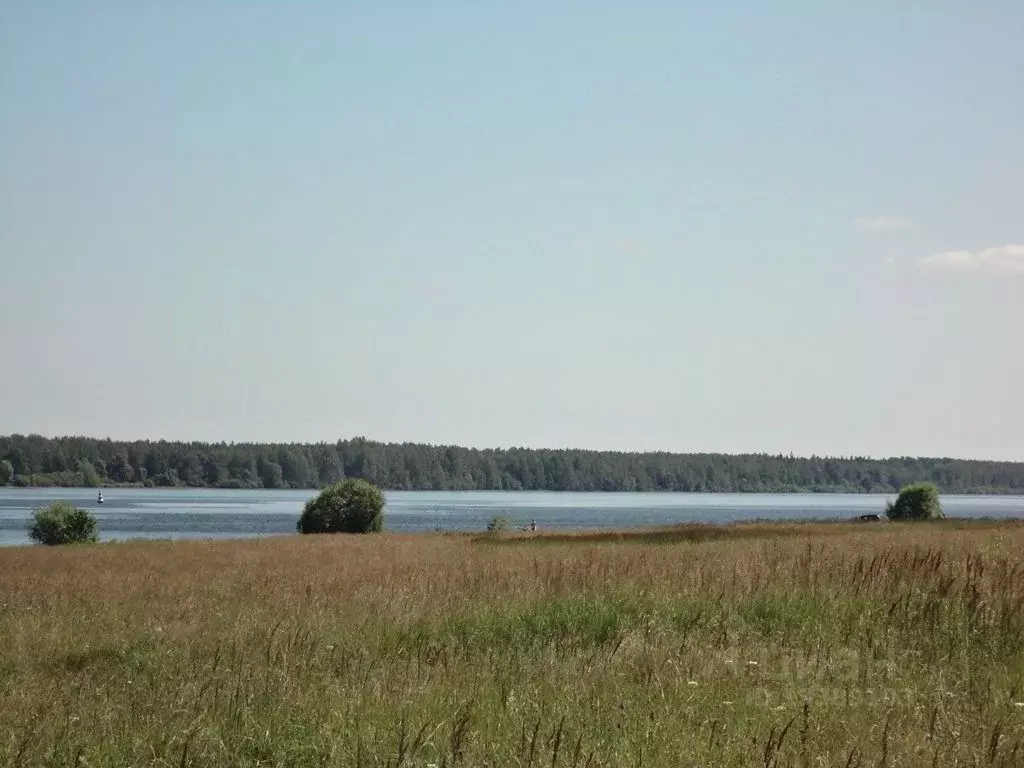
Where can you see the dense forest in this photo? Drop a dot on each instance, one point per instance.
(76, 461)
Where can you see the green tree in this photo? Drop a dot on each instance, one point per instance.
(919, 501)
(19, 461)
(89, 476)
(120, 469)
(168, 479)
(295, 468)
(190, 470)
(6, 472)
(351, 506)
(271, 474)
(156, 463)
(214, 473)
(54, 458)
(243, 470)
(329, 467)
(62, 523)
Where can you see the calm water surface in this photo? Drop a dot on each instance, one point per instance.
(134, 513)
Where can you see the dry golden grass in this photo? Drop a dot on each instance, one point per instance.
(766, 645)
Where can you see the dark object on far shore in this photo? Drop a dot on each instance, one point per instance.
(870, 518)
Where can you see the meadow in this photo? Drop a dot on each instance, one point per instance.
(750, 645)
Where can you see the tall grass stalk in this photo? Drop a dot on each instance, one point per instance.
(804, 645)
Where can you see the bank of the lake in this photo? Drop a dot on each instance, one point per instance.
(130, 513)
(77, 461)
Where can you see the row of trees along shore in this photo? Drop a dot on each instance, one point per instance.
(34, 460)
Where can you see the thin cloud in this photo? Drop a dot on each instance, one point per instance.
(882, 223)
(1004, 259)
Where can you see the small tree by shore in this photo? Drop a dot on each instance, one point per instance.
(919, 501)
(90, 478)
(351, 506)
(62, 523)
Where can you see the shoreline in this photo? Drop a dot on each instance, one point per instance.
(1004, 492)
(680, 533)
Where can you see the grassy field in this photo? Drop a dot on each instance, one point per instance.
(756, 645)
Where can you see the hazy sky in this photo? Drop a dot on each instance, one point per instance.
(652, 225)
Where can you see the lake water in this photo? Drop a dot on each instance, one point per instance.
(134, 513)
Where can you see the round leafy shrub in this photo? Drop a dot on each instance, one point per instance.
(62, 523)
(351, 506)
(916, 502)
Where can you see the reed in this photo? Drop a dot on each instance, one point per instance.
(766, 645)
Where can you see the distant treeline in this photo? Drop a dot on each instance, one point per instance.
(77, 461)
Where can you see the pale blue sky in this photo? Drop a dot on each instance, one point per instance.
(744, 226)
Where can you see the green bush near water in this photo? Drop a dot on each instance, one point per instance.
(62, 523)
(351, 506)
(916, 502)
